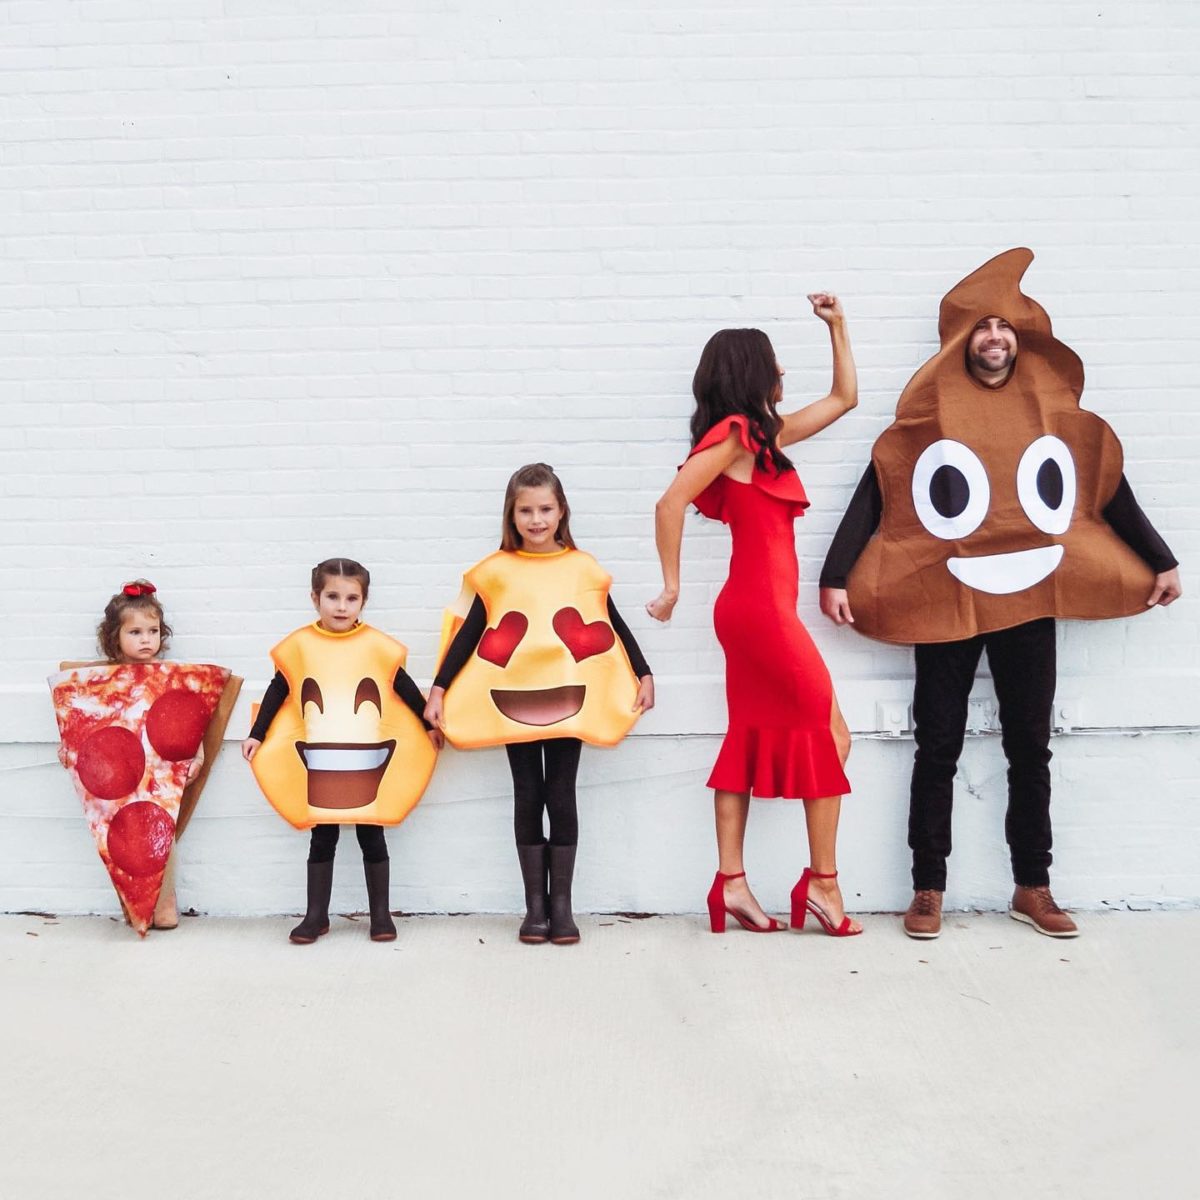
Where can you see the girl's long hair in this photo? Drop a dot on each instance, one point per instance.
(738, 376)
(530, 476)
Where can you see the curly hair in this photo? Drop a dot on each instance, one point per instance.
(108, 632)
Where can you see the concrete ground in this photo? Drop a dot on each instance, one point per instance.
(653, 1060)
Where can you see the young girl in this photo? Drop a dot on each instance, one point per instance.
(338, 639)
(133, 630)
(541, 616)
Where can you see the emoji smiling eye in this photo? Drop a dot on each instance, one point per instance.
(950, 490)
(497, 645)
(367, 692)
(1046, 484)
(581, 639)
(310, 692)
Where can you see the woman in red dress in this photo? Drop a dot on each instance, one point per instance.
(786, 735)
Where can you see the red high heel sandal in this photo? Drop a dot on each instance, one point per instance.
(802, 906)
(718, 909)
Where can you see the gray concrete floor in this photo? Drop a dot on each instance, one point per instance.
(653, 1060)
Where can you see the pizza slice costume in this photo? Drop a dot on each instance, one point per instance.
(130, 732)
(780, 696)
(986, 513)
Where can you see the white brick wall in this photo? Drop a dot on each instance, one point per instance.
(285, 279)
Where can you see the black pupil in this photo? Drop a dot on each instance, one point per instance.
(1050, 483)
(949, 490)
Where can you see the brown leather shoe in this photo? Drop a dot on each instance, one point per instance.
(1035, 906)
(924, 916)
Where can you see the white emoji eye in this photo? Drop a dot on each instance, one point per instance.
(950, 490)
(1046, 484)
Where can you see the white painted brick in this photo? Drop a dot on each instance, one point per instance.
(258, 253)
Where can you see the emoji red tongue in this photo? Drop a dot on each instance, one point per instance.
(581, 639)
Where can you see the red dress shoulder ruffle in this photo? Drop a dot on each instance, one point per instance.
(786, 487)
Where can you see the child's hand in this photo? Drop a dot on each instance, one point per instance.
(661, 607)
(62, 755)
(250, 748)
(193, 769)
(644, 700)
(433, 708)
(437, 737)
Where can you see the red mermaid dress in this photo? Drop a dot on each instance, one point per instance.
(777, 686)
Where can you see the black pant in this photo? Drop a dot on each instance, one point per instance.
(370, 840)
(1023, 666)
(544, 780)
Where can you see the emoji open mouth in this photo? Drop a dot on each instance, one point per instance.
(1002, 574)
(344, 774)
(541, 706)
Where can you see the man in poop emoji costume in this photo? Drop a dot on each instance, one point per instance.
(993, 504)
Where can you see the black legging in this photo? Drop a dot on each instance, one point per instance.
(325, 839)
(550, 787)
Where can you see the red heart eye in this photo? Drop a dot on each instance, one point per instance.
(582, 640)
(497, 645)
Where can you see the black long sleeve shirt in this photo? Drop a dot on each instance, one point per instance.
(471, 631)
(277, 692)
(862, 518)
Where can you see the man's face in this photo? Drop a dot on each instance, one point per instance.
(992, 350)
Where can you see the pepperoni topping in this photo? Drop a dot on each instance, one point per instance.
(111, 762)
(140, 837)
(176, 723)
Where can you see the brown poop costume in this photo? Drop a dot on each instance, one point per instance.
(985, 514)
(992, 498)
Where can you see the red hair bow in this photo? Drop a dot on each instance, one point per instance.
(139, 589)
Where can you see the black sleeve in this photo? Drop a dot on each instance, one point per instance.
(463, 645)
(1133, 527)
(405, 687)
(641, 668)
(859, 523)
(272, 702)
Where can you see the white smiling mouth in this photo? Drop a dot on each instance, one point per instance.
(345, 758)
(1002, 574)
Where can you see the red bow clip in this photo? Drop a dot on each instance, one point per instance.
(139, 589)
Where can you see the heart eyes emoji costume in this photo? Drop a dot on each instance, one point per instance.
(551, 658)
(996, 506)
(342, 738)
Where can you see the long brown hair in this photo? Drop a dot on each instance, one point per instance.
(347, 568)
(140, 597)
(738, 375)
(530, 476)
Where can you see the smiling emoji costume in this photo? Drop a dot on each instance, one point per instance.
(549, 664)
(992, 498)
(344, 747)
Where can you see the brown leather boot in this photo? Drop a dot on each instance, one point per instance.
(316, 919)
(535, 929)
(924, 917)
(1035, 906)
(563, 930)
(383, 928)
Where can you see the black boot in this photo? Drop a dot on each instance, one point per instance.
(383, 928)
(563, 930)
(536, 926)
(316, 919)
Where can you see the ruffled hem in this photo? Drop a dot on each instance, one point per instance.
(792, 764)
(786, 487)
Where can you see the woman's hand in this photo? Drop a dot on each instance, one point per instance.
(826, 306)
(1167, 588)
(661, 607)
(644, 700)
(250, 748)
(835, 604)
(433, 709)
